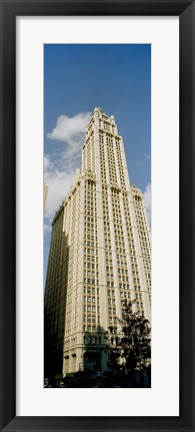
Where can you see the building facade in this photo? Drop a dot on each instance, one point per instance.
(45, 192)
(100, 253)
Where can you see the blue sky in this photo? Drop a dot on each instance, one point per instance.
(77, 78)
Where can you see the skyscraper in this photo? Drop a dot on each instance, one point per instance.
(99, 254)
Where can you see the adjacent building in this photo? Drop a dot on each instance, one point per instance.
(45, 192)
(100, 253)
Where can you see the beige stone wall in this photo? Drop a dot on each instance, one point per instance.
(45, 192)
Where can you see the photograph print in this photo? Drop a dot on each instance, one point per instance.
(97, 216)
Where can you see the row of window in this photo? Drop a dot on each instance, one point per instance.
(89, 299)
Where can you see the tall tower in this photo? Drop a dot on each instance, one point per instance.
(100, 252)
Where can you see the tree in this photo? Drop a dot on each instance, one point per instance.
(131, 346)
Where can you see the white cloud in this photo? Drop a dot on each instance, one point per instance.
(47, 228)
(61, 167)
(58, 182)
(147, 201)
(68, 129)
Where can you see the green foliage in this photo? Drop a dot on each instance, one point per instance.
(132, 342)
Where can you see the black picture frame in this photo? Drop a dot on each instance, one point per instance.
(185, 9)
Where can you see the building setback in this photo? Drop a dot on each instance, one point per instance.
(99, 254)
